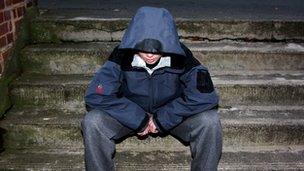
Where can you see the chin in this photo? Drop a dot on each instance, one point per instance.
(150, 62)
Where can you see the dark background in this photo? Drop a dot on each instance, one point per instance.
(207, 9)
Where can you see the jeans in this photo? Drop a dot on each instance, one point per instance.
(202, 131)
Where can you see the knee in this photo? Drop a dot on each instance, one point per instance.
(91, 120)
(210, 120)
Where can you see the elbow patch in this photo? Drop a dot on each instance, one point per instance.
(203, 82)
(99, 89)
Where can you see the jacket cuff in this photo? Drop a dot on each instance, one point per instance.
(143, 124)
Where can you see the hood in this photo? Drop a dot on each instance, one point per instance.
(152, 30)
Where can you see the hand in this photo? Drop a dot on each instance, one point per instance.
(144, 132)
(151, 128)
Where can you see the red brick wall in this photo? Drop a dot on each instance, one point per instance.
(11, 12)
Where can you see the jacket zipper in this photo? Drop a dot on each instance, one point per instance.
(150, 92)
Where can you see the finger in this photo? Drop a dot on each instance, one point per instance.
(154, 130)
(150, 121)
(142, 133)
(147, 131)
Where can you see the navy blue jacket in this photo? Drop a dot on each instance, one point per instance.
(171, 93)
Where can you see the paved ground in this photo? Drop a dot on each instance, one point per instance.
(291, 10)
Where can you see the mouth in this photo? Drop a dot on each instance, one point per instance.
(151, 61)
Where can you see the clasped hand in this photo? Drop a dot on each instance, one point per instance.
(151, 128)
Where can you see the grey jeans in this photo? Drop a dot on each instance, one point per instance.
(202, 131)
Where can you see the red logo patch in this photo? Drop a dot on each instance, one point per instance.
(99, 89)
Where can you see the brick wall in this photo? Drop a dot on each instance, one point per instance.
(11, 12)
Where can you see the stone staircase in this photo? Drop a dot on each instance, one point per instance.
(256, 66)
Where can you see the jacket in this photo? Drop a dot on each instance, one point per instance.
(177, 88)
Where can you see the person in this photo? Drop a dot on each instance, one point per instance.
(151, 84)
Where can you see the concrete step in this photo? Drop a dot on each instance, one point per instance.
(263, 158)
(242, 126)
(224, 56)
(284, 88)
(69, 25)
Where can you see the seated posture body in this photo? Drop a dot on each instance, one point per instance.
(151, 84)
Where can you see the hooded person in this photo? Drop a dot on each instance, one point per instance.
(174, 93)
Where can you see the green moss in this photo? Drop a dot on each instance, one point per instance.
(189, 26)
(108, 26)
(5, 102)
(289, 29)
(31, 63)
(16, 138)
(48, 96)
(44, 32)
(34, 136)
(49, 31)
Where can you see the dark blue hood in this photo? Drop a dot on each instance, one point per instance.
(152, 30)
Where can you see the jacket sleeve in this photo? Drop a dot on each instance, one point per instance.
(198, 95)
(102, 94)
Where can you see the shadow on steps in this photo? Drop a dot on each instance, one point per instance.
(2, 132)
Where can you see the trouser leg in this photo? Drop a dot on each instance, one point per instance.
(99, 132)
(204, 133)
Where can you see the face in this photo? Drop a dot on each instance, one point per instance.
(149, 58)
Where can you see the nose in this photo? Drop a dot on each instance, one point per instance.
(150, 55)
